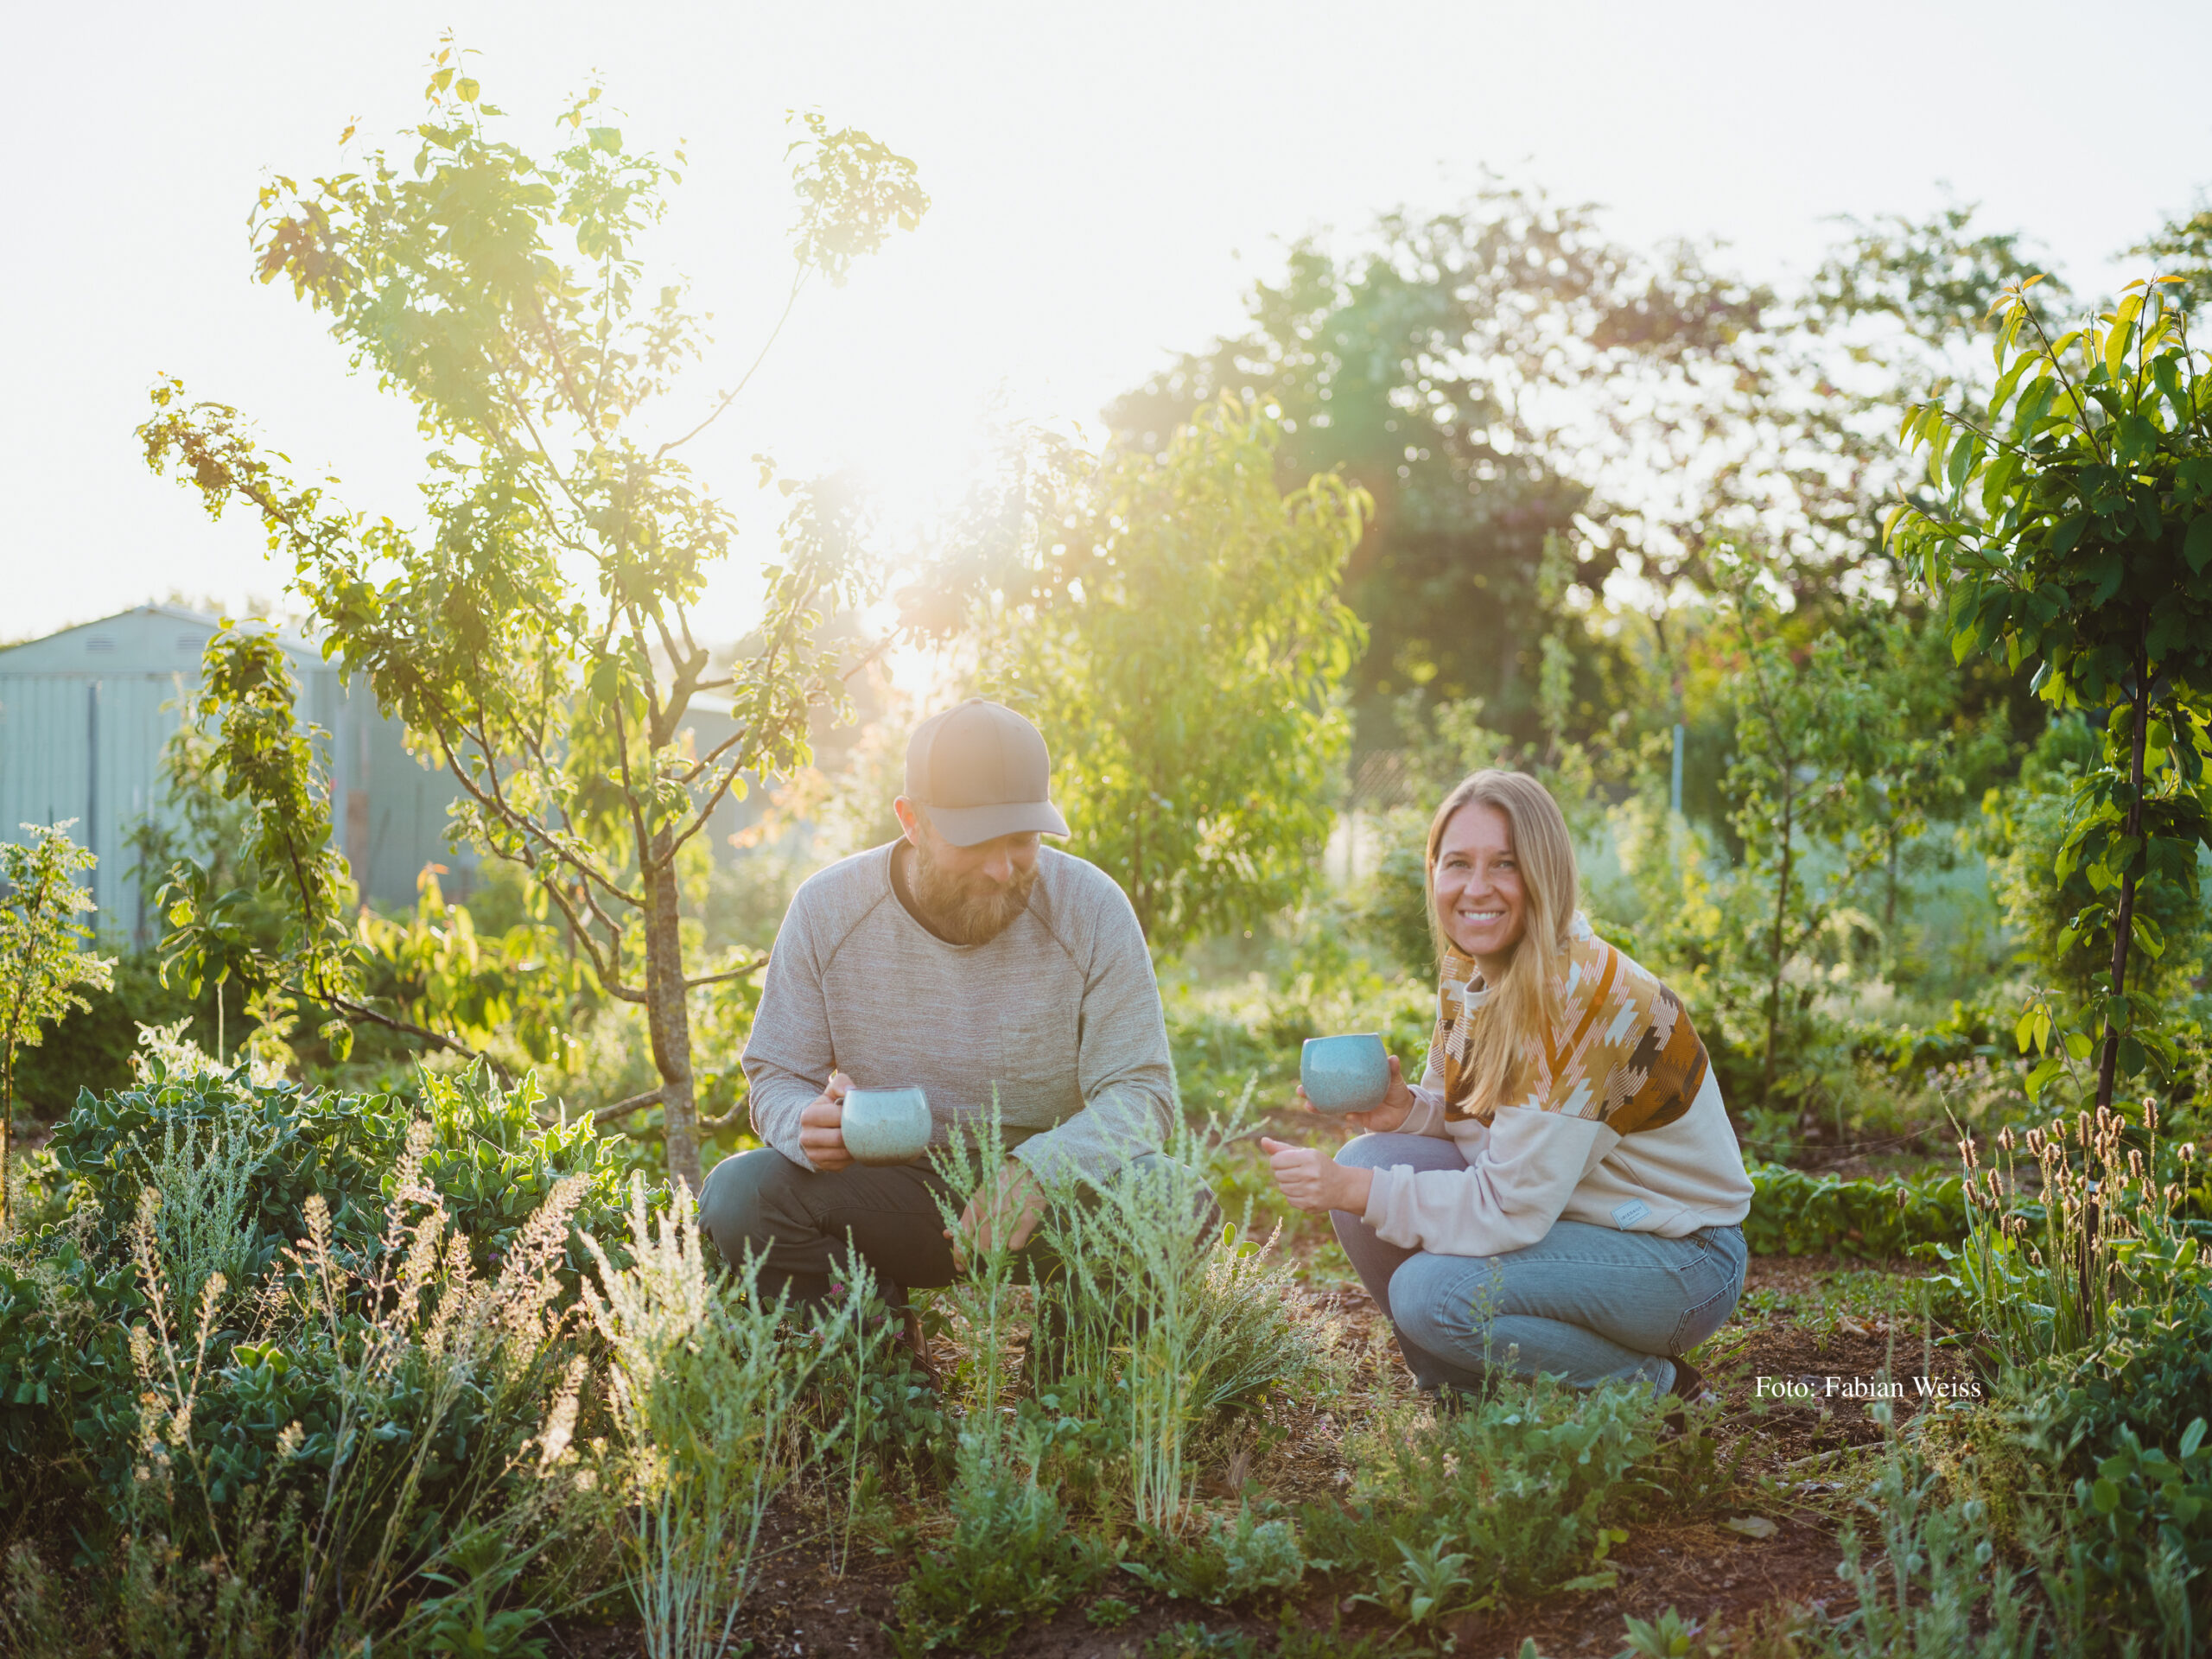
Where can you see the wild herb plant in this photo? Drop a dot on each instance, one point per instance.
(1507, 1495)
(1013, 1553)
(1235, 1557)
(299, 1398)
(1156, 1321)
(1146, 1321)
(1938, 1588)
(1137, 1344)
(204, 1223)
(706, 1391)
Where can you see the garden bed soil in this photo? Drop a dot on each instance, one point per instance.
(1795, 1457)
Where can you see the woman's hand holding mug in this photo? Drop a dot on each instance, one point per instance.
(1398, 1105)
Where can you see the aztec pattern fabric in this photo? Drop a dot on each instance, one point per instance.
(1625, 1054)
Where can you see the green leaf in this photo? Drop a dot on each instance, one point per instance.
(1964, 459)
(609, 139)
(2138, 440)
(2165, 369)
(2146, 933)
(2117, 340)
(2196, 546)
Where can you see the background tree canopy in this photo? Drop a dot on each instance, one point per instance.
(1509, 373)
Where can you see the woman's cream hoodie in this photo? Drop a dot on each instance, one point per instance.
(1621, 1124)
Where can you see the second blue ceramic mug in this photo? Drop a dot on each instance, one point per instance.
(1345, 1074)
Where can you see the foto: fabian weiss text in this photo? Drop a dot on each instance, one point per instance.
(1866, 1387)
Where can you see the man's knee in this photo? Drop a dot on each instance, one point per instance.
(743, 1199)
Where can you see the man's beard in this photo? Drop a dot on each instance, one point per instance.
(969, 910)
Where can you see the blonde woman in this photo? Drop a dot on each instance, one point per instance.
(1561, 1191)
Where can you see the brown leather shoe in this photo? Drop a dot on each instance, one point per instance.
(1689, 1387)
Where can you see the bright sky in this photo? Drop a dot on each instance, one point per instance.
(1108, 182)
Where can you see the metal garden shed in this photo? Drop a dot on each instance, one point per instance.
(84, 714)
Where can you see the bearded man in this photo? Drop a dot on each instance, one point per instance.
(967, 960)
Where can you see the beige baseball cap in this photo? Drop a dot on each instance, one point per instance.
(983, 772)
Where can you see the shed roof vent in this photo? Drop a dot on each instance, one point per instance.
(100, 642)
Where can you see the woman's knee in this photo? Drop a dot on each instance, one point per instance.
(1381, 1151)
(1442, 1302)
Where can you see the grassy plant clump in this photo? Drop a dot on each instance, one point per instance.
(1237, 1557)
(298, 1413)
(1149, 1325)
(2093, 1303)
(2107, 1239)
(1011, 1555)
(1153, 1326)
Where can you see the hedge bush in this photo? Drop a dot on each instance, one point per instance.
(1794, 1213)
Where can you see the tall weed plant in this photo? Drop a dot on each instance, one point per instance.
(708, 1386)
(2101, 1239)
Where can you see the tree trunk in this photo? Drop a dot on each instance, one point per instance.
(1781, 925)
(7, 1135)
(2123, 928)
(669, 1015)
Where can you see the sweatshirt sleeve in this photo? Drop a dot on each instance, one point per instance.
(788, 1057)
(1506, 1200)
(1122, 1063)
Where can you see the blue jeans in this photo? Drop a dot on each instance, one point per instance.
(1585, 1303)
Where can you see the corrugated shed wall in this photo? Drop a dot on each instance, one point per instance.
(84, 715)
(88, 747)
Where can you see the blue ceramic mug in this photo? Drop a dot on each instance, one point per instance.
(885, 1126)
(1345, 1074)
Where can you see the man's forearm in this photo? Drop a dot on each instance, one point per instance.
(1119, 1123)
(776, 1101)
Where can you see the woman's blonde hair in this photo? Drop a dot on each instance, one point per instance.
(1522, 1007)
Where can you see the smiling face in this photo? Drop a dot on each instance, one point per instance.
(1480, 901)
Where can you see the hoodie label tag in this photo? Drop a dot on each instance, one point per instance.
(1627, 1215)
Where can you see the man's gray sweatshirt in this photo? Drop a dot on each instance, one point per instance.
(1058, 1016)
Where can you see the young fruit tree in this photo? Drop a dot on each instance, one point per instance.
(535, 634)
(1794, 782)
(44, 968)
(1179, 636)
(2075, 528)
